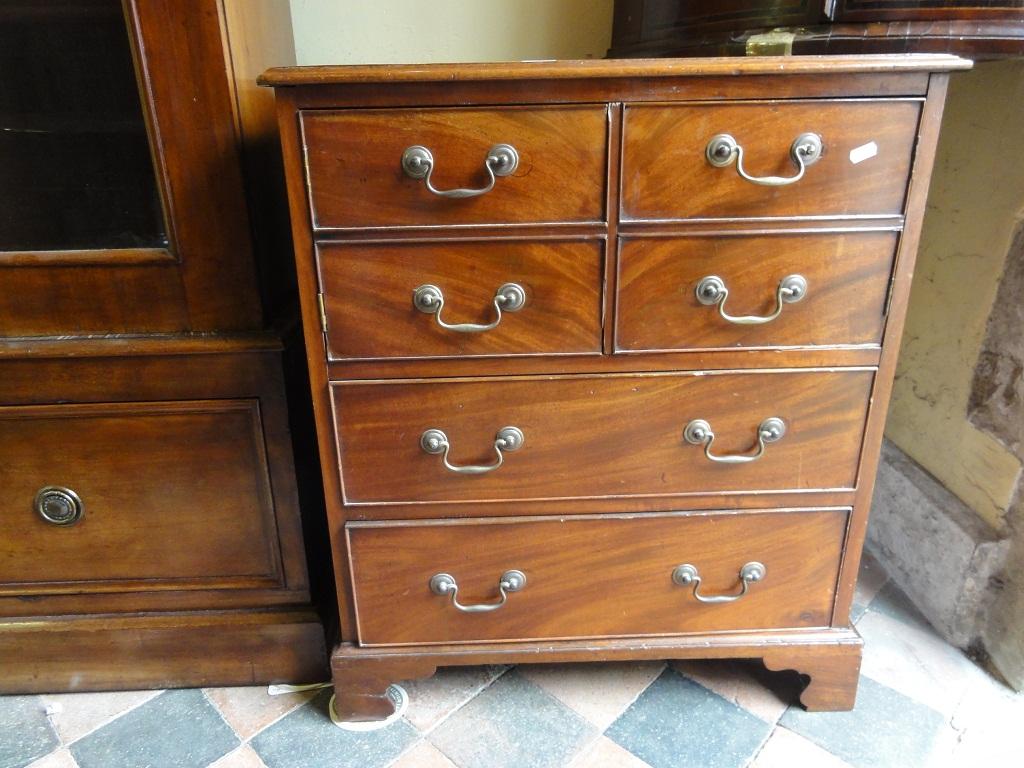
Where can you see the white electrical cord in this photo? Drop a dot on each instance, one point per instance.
(399, 699)
(280, 690)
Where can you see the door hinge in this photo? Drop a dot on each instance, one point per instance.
(323, 312)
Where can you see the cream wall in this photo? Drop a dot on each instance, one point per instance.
(975, 202)
(418, 31)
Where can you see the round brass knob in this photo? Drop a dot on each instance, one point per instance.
(57, 505)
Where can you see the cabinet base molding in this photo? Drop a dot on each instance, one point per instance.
(173, 650)
(828, 661)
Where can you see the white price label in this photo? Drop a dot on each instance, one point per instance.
(863, 152)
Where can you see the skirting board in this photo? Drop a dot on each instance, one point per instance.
(171, 650)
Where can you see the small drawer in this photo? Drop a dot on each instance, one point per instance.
(765, 291)
(608, 576)
(598, 436)
(135, 497)
(461, 299)
(369, 168)
(861, 169)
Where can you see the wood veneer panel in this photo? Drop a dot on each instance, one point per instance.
(589, 577)
(665, 174)
(604, 68)
(368, 289)
(847, 284)
(589, 436)
(63, 300)
(176, 496)
(161, 651)
(356, 179)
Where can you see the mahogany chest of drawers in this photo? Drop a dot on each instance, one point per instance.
(601, 352)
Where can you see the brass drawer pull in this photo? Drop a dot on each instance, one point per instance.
(698, 432)
(805, 151)
(510, 581)
(687, 574)
(434, 441)
(511, 297)
(711, 291)
(501, 160)
(58, 505)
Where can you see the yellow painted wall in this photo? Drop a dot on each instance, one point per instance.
(975, 202)
(418, 31)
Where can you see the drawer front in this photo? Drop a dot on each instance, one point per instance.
(173, 495)
(594, 436)
(356, 177)
(782, 290)
(594, 577)
(374, 309)
(863, 167)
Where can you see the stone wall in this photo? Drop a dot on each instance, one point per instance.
(956, 419)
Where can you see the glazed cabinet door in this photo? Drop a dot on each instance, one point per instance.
(122, 206)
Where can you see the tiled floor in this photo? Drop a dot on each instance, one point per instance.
(920, 703)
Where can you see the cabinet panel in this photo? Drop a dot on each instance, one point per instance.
(555, 304)
(772, 291)
(861, 168)
(594, 436)
(590, 577)
(142, 496)
(558, 174)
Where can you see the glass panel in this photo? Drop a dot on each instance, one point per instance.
(75, 164)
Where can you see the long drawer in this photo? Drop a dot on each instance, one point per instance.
(598, 436)
(861, 167)
(752, 291)
(589, 577)
(135, 497)
(372, 167)
(461, 298)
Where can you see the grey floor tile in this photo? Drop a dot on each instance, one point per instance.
(308, 739)
(915, 661)
(857, 611)
(599, 693)
(513, 724)
(677, 722)
(871, 578)
(74, 715)
(893, 602)
(434, 698)
(740, 682)
(885, 730)
(177, 728)
(25, 732)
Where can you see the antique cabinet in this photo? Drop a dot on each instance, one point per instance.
(975, 28)
(151, 527)
(600, 352)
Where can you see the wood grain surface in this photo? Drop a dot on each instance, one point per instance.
(165, 650)
(356, 177)
(847, 284)
(608, 576)
(610, 68)
(599, 436)
(665, 174)
(368, 290)
(176, 496)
